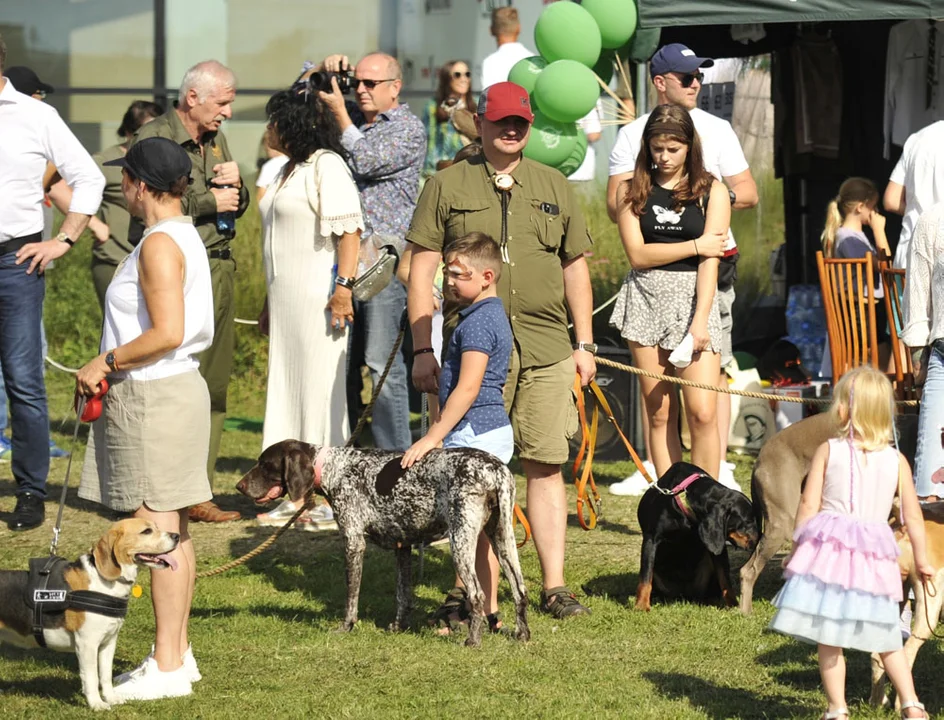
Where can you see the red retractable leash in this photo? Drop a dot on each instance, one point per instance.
(93, 405)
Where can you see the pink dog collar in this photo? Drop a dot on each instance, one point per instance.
(319, 465)
(679, 492)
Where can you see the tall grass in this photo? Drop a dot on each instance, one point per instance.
(73, 319)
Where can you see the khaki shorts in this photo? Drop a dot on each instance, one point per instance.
(540, 402)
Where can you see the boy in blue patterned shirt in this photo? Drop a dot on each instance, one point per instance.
(474, 369)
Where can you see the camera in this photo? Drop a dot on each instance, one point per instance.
(321, 81)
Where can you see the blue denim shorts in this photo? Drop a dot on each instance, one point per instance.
(500, 442)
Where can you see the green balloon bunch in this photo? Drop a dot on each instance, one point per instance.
(578, 43)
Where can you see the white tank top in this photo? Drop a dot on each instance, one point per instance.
(126, 314)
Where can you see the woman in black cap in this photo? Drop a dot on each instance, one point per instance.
(147, 453)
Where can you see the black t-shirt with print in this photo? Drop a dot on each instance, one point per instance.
(660, 223)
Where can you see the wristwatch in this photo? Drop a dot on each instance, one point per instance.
(62, 237)
(732, 196)
(111, 362)
(587, 347)
(344, 282)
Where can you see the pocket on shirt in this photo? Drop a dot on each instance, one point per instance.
(472, 214)
(549, 229)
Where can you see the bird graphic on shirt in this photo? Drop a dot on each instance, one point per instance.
(666, 215)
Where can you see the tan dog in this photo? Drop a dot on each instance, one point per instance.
(927, 610)
(110, 569)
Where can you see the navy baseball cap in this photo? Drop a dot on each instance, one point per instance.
(158, 161)
(676, 58)
(26, 81)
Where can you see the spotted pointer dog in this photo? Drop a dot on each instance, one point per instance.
(458, 492)
(109, 568)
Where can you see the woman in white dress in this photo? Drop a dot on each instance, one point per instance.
(312, 221)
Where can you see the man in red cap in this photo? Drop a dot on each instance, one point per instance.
(530, 210)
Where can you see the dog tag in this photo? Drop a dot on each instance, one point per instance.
(42, 596)
(136, 591)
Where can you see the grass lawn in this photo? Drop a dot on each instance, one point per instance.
(265, 638)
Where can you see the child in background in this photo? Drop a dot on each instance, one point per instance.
(846, 215)
(472, 411)
(843, 585)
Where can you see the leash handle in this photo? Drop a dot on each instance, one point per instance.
(601, 400)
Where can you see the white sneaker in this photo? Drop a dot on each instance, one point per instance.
(278, 517)
(317, 519)
(726, 477)
(190, 665)
(635, 484)
(147, 682)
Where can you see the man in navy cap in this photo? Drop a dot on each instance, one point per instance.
(676, 74)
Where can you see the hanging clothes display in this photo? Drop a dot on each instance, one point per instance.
(818, 77)
(913, 95)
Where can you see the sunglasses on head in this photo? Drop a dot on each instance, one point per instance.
(458, 74)
(687, 79)
(369, 84)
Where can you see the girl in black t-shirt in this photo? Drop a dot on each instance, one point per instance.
(673, 223)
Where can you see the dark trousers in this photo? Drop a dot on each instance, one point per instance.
(21, 356)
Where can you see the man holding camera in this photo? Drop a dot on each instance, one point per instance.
(386, 146)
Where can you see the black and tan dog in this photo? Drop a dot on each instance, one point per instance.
(459, 492)
(109, 569)
(685, 534)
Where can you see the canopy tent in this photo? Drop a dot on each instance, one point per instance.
(670, 13)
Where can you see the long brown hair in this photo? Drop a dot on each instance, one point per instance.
(672, 122)
(443, 91)
(853, 191)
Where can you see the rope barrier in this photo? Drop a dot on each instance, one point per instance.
(743, 393)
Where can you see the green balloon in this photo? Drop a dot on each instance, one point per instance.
(551, 142)
(576, 158)
(525, 72)
(616, 19)
(566, 90)
(565, 31)
(604, 69)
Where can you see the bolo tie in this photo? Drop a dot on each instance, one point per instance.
(504, 182)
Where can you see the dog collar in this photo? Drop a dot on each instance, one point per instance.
(319, 465)
(679, 492)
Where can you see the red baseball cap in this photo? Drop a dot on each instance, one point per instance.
(503, 100)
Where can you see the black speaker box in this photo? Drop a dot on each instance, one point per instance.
(621, 390)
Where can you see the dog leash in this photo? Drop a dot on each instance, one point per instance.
(308, 501)
(930, 591)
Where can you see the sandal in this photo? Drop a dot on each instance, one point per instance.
(836, 714)
(917, 706)
(561, 603)
(452, 614)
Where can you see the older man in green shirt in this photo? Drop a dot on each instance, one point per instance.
(531, 211)
(207, 92)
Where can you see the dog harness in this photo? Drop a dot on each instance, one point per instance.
(679, 492)
(319, 465)
(48, 594)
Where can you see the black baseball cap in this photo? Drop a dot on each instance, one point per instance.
(676, 58)
(26, 81)
(158, 161)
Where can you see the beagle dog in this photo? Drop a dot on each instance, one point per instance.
(109, 569)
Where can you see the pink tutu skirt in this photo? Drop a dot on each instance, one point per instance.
(843, 585)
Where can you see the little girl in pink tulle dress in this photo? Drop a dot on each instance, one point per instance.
(843, 585)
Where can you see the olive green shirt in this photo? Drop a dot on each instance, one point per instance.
(113, 211)
(198, 202)
(545, 228)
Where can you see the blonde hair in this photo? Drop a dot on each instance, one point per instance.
(505, 21)
(853, 191)
(864, 403)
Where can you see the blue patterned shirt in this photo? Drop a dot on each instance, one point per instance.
(483, 327)
(386, 158)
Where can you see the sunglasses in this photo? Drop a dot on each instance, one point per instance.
(457, 74)
(369, 84)
(687, 79)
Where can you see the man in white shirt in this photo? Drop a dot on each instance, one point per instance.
(916, 183)
(505, 28)
(592, 125)
(32, 134)
(675, 71)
